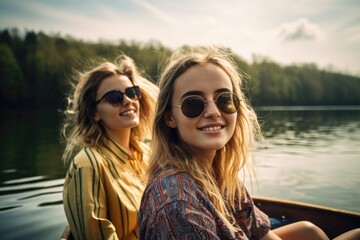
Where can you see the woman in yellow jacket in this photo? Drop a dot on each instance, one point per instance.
(107, 122)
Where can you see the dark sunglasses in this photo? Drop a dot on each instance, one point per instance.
(194, 105)
(116, 97)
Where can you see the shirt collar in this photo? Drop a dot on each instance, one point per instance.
(123, 154)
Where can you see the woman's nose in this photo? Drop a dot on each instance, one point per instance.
(126, 100)
(211, 110)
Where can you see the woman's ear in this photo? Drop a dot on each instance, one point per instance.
(96, 117)
(169, 120)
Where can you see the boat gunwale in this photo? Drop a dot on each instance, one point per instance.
(332, 221)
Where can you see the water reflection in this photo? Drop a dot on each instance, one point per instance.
(29, 145)
(31, 208)
(31, 178)
(311, 156)
(313, 129)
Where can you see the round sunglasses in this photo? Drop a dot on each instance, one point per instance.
(116, 97)
(194, 105)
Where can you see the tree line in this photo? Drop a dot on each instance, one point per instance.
(36, 69)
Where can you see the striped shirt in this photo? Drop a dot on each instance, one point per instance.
(175, 207)
(102, 191)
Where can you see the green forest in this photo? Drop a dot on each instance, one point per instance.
(36, 69)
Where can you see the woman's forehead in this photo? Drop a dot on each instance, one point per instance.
(205, 78)
(118, 81)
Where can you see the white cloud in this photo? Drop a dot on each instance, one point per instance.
(301, 29)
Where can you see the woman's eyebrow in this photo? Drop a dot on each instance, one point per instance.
(220, 90)
(190, 93)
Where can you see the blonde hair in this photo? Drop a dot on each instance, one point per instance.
(169, 149)
(80, 129)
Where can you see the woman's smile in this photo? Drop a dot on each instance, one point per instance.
(212, 127)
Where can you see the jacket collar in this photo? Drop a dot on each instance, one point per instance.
(111, 147)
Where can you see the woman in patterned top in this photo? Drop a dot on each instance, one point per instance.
(204, 130)
(109, 117)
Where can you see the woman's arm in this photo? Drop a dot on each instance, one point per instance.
(85, 205)
(270, 235)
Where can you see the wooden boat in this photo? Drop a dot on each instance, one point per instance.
(332, 221)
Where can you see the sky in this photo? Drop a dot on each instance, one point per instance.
(324, 32)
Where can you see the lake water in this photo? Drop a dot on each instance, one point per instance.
(310, 155)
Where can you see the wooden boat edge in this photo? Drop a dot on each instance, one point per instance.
(332, 220)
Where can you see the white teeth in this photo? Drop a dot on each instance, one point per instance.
(128, 112)
(212, 128)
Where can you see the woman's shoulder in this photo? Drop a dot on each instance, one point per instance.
(171, 186)
(87, 157)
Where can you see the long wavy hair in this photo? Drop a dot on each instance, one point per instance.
(218, 183)
(80, 129)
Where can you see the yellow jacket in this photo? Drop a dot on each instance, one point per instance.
(103, 189)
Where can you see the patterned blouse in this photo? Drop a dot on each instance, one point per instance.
(102, 191)
(175, 207)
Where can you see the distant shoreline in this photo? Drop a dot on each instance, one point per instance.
(309, 108)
